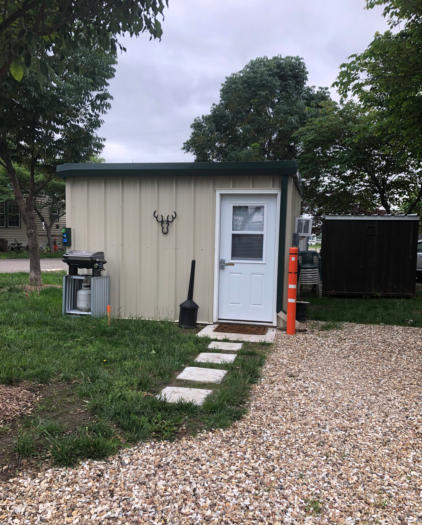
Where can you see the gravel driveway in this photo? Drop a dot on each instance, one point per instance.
(22, 265)
(333, 435)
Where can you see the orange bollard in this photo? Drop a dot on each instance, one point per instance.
(292, 290)
(108, 314)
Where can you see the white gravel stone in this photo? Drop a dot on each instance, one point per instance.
(202, 375)
(208, 357)
(174, 394)
(222, 345)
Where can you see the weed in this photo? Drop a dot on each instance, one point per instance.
(331, 325)
(68, 450)
(24, 445)
(51, 428)
(313, 506)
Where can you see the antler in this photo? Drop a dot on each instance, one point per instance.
(164, 222)
(173, 216)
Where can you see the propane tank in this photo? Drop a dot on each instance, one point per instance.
(83, 297)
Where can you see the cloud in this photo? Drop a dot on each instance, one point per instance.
(160, 87)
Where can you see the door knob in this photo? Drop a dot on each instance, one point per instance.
(223, 264)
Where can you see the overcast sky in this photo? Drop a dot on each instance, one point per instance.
(160, 87)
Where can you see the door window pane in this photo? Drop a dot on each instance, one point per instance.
(248, 218)
(245, 246)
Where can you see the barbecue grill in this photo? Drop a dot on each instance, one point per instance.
(88, 293)
(83, 259)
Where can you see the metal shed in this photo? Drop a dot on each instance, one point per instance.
(235, 219)
(369, 255)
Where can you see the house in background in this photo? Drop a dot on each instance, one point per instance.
(12, 227)
(235, 219)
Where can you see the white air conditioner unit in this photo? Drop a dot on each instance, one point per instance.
(304, 226)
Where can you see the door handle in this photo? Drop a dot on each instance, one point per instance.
(223, 264)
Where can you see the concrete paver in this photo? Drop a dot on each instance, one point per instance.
(208, 331)
(222, 345)
(174, 394)
(211, 357)
(202, 375)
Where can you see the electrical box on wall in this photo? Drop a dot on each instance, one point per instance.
(67, 236)
(304, 226)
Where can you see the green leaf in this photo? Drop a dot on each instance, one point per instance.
(17, 70)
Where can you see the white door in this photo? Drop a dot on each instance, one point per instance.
(247, 274)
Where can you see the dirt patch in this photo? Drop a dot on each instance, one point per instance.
(16, 401)
(58, 402)
(241, 329)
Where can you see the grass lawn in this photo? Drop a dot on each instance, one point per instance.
(404, 312)
(97, 382)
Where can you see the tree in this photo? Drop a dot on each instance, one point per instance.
(33, 30)
(347, 166)
(260, 109)
(387, 77)
(43, 124)
(51, 206)
(366, 154)
(49, 203)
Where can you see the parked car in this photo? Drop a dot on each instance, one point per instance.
(419, 261)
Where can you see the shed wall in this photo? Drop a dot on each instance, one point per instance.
(369, 257)
(150, 271)
(294, 203)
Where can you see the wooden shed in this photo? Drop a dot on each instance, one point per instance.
(372, 255)
(235, 219)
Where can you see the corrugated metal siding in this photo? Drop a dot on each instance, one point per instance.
(150, 271)
(294, 203)
(100, 295)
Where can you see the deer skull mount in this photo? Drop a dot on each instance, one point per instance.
(165, 222)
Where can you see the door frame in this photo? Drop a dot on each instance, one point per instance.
(249, 192)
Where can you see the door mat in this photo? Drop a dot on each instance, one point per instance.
(248, 329)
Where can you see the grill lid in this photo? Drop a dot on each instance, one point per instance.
(84, 259)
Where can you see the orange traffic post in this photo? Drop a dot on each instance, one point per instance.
(291, 293)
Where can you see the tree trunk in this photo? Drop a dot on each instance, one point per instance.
(48, 227)
(26, 207)
(33, 247)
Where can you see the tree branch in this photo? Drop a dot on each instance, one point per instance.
(415, 202)
(26, 6)
(11, 172)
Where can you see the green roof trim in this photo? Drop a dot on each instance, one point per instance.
(279, 167)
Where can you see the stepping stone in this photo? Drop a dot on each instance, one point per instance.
(208, 331)
(202, 375)
(221, 345)
(174, 394)
(220, 359)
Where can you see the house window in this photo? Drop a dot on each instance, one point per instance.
(10, 216)
(13, 215)
(54, 213)
(2, 214)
